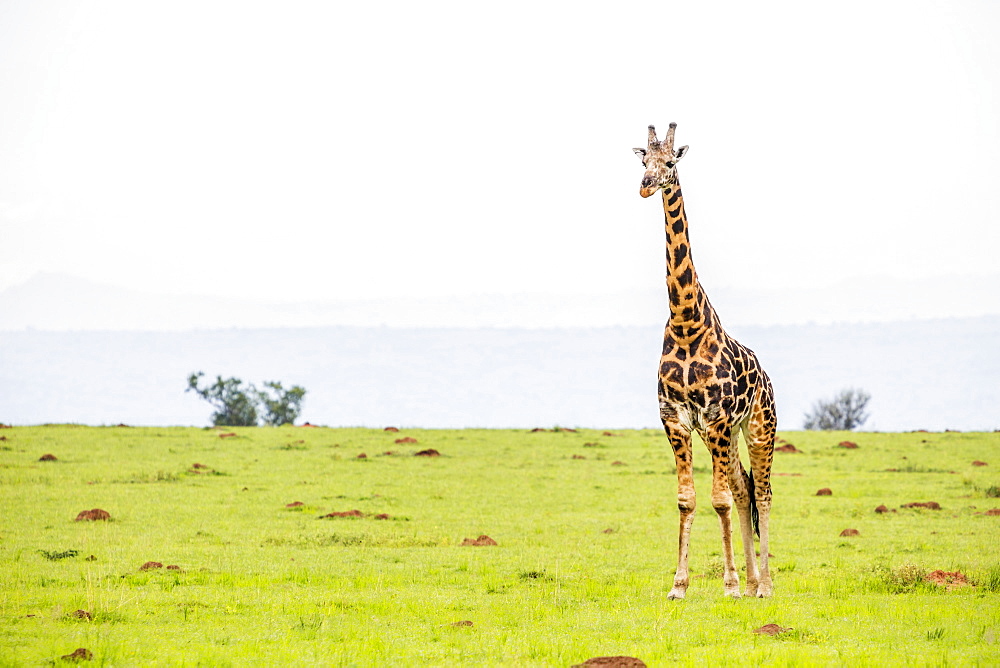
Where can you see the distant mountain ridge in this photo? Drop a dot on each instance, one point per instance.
(62, 302)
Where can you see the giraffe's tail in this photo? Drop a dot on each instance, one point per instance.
(754, 514)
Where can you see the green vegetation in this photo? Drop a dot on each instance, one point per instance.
(236, 404)
(258, 581)
(844, 412)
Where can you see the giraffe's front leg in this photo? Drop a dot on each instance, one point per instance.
(717, 438)
(680, 441)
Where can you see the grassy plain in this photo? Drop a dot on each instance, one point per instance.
(263, 584)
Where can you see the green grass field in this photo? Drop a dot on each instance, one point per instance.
(585, 555)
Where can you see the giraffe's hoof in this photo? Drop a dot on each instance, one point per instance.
(733, 593)
(751, 591)
(764, 590)
(676, 594)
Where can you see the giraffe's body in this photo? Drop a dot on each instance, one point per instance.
(710, 383)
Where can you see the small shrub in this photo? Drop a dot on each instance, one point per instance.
(56, 556)
(842, 413)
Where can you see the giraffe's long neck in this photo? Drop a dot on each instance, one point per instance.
(690, 310)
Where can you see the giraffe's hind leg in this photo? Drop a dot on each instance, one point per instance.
(718, 439)
(759, 433)
(742, 489)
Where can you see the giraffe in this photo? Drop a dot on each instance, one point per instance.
(709, 383)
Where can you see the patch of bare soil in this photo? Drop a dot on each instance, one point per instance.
(482, 541)
(788, 447)
(383, 516)
(979, 463)
(81, 654)
(609, 530)
(771, 629)
(931, 505)
(388, 453)
(619, 464)
(404, 440)
(578, 457)
(92, 515)
(590, 445)
(429, 452)
(537, 430)
(850, 532)
(173, 567)
(883, 509)
(612, 662)
(993, 511)
(946, 579)
(294, 504)
(196, 465)
(362, 456)
(850, 445)
(346, 513)
(81, 614)
(464, 622)
(47, 458)
(608, 433)
(391, 430)
(227, 434)
(826, 491)
(150, 566)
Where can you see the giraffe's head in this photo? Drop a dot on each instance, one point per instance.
(660, 160)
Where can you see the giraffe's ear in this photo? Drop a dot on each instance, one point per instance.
(641, 152)
(680, 152)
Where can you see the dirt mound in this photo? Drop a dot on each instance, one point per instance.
(619, 464)
(979, 463)
(429, 452)
(92, 515)
(537, 429)
(294, 504)
(947, 579)
(482, 541)
(81, 654)
(150, 565)
(383, 516)
(228, 434)
(612, 662)
(464, 622)
(609, 530)
(992, 511)
(931, 505)
(578, 457)
(391, 430)
(788, 447)
(883, 509)
(81, 614)
(771, 630)
(850, 445)
(196, 465)
(608, 433)
(306, 424)
(362, 456)
(826, 491)
(47, 458)
(590, 445)
(404, 440)
(850, 532)
(173, 567)
(388, 453)
(346, 513)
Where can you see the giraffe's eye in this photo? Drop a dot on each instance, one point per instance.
(669, 165)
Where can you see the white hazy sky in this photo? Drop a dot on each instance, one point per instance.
(353, 150)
